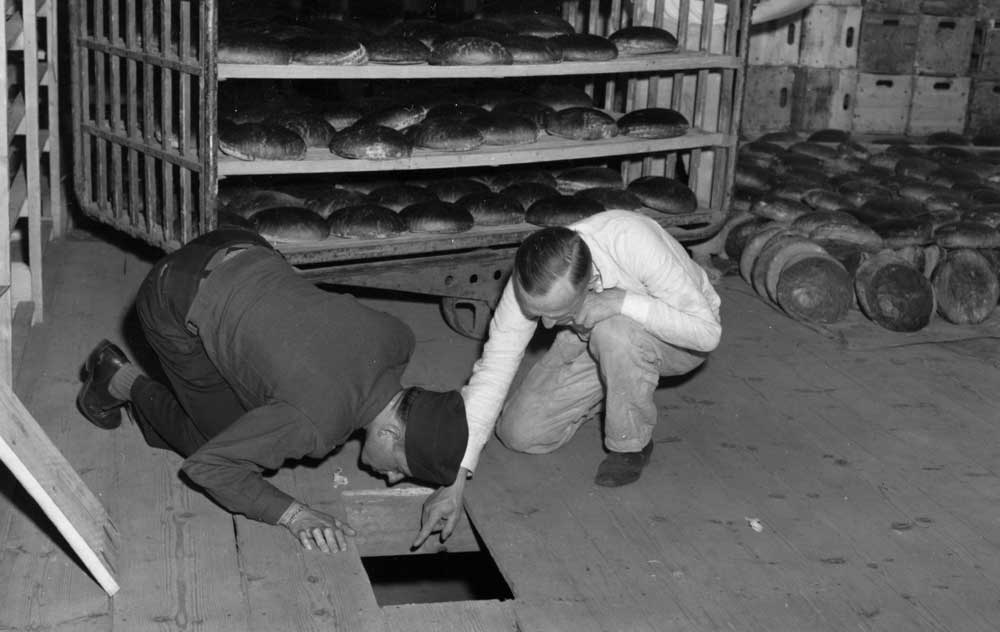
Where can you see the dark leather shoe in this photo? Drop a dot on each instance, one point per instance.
(94, 400)
(622, 468)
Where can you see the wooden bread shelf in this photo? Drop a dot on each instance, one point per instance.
(547, 149)
(666, 62)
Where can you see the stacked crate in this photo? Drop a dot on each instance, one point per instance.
(801, 72)
(914, 62)
(984, 101)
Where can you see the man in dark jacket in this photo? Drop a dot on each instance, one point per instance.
(264, 366)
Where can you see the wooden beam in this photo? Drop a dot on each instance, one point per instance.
(46, 475)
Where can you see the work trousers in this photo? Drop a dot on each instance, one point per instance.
(199, 403)
(617, 369)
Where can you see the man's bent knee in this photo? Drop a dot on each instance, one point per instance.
(522, 437)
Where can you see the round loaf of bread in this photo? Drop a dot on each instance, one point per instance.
(436, 217)
(561, 210)
(445, 135)
(779, 209)
(664, 194)
(366, 221)
(289, 224)
(371, 142)
(499, 128)
(492, 209)
(966, 287)
(653, 123)
(581, 123)
(529, 49)
(965, 234)
(396, 50)
(585, 47)
(894, 294)
(470, 51)
(258, 141)
(643, 40)
(612, 199)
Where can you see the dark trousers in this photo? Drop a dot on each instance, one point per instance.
(199, 403)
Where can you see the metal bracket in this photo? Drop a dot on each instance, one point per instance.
(472, 279)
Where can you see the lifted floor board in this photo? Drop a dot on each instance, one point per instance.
(468, 616)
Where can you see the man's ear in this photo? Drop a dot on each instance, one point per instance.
(390, 430)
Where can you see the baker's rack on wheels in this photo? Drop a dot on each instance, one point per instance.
(145, 91)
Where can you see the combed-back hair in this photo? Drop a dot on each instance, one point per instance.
(548, 255)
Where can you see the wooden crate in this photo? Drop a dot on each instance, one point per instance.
(776, 43)
(939, 104)
(927, 7)
(988, 9)
(888, 43)
(824, 98)
(830, 37)
(767, 105)
(984, 105)
(944, 45)
(986, 48)
(882, 103)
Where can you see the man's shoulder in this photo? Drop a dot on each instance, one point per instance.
(609, 225)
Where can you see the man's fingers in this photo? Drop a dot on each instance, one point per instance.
(341, 538)
(449, 526)
(346, 528)
(305, 541)
(319, 535)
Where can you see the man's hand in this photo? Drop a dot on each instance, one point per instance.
(311, 527)
(444, 504)
(598, 306)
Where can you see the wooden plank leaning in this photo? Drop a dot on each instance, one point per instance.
(49, 478)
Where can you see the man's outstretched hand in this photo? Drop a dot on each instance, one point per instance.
(444, 505)
(315, 528)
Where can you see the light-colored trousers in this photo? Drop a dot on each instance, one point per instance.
(617, 369)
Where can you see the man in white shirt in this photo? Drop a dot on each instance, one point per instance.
(630, 305)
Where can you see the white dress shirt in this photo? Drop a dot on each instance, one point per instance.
(665, 291)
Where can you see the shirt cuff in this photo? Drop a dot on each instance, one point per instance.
(291, 512)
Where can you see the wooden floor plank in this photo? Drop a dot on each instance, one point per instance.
(527, 508)
(469, 616)
(936, 576)
(289, 587)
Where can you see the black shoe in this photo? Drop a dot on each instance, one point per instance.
(94, 400)
(622, 468)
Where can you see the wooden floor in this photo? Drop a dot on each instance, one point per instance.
(872, 474)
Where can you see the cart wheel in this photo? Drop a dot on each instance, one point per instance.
(460, 322)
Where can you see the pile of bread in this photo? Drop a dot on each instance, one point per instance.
(357, 208)
(502, 38)
(902, 231)
(280, 126)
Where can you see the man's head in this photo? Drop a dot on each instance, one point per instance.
(552, 272)
(421, 434)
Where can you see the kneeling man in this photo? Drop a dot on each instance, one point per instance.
(263, 367)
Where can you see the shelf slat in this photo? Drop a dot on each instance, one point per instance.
(15, 32)
(666, 62)
(18, 195)
(547, 149)
(335, 249)
(15, 117)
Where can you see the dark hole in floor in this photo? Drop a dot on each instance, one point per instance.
(435, 578)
